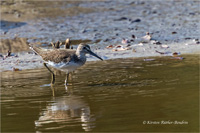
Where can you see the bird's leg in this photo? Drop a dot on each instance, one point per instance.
(66, 79)
(52, 74)
(53, 90)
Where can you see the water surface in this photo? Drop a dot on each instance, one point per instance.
(115, 95)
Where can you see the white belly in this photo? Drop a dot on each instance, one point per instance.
(66, 67)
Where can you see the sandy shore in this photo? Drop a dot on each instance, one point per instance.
(174, 26)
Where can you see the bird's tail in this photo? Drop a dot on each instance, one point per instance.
(35, 49)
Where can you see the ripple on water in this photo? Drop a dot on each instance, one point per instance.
(102, 95)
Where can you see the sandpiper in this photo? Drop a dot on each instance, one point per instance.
(66, 60)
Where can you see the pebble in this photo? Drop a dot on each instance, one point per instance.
(176, 53)
(140, 44)
(156, 42)
(121, 19)
(120, 48)
(16, 69)
(164, 46)
(137, 20)
(106, 40)
(110, 46)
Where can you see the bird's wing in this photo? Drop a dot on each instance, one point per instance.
(58, 55)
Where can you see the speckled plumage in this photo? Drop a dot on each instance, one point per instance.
(67, 59)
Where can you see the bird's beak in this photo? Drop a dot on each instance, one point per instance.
(90, 52)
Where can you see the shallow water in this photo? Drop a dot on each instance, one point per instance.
(114, 95)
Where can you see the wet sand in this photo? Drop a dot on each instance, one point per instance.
(173, 23)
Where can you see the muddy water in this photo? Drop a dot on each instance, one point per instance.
(115, 95)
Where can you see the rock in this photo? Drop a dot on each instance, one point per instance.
(176, 53)
(173, 25)
(120, 48)
(16, 69)
(164, 46)
(137, 20)
(157, 42)
(107, 40)
(188, 38)
(121, 19)
(110, 46)
(140, 44)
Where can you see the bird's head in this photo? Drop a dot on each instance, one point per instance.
(85, 49)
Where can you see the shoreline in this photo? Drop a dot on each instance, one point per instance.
(108, 29)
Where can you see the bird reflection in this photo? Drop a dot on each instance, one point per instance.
(65, 111)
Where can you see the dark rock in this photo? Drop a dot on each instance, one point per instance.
(121, 19)
(157, 43)
(132, 3)
(131, 28)
(142, 3)
(116, 29)
(106, 40)
(188, 38)
(192, 13)
(154, 12)
(84, 31)
(173, 25)
(97, 34)
(174, 32)
(137, 20)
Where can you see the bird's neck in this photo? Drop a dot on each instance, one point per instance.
(81, 56)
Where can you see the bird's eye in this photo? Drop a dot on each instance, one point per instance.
(84, 47)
